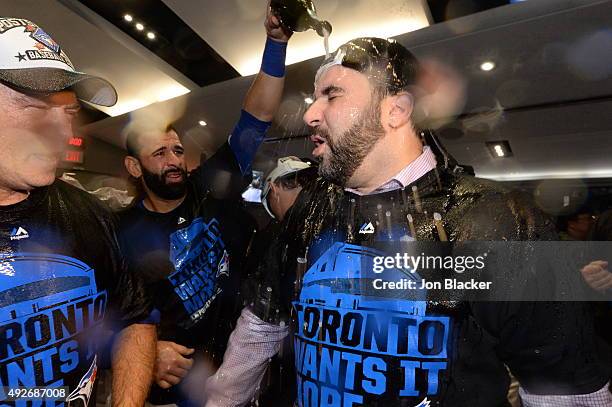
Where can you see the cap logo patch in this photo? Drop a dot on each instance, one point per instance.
(42, 37)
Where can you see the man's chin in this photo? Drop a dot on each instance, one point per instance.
(173, 190)
(40, 180)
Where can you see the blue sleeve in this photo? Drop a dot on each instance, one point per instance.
(246, 138)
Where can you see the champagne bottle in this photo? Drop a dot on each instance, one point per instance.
(299, 15)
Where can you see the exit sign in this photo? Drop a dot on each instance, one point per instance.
(76, 150)
(73, 156)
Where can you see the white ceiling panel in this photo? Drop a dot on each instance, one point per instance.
(234, 28)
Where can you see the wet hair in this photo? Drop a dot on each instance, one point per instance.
(389, 63)
(133, 136)
(297, 179)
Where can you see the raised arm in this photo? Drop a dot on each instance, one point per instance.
(263, 98)
(228, 172)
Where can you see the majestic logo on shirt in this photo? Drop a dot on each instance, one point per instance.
(424, 403)
(19, 233)
(355, 344)
(366, 229)
(50, 308)
(199, 258)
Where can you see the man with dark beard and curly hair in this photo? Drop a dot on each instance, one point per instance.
(188, 234)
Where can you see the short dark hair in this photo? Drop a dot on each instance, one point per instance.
(391, 63)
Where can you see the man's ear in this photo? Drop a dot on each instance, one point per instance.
(132, 165)
(400, 109)
(274, 188)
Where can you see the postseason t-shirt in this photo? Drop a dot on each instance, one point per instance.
(191, 260)
(354, 345)
(61, 278)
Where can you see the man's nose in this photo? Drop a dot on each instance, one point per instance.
(61, 128)
(314, 115)
(173, 159)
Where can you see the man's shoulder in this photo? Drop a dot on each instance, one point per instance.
(84, 208)
(479, 187)
(131, 211)
(482, 191)
(83, 199)
(496, 210)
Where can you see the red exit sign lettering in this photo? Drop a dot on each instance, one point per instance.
(72, 156)
(76, 141)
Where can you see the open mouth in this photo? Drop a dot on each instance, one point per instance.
(174, 176)
(319, 143)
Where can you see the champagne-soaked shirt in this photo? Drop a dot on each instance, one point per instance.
(61, 277)
(354, 345)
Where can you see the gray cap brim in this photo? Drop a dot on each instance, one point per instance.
(89, 88)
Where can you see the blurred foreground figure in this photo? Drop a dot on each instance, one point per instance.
(283, 185)
(188, 235)
(61, 272)
(381, 189)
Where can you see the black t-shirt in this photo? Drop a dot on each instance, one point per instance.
(356, 346)
(61, 277)
(602, 230)
(191, 259)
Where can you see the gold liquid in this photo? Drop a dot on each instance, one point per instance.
(326, 42)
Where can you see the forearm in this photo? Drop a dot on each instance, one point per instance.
(249, 349)
(133, 363)
(266, 92)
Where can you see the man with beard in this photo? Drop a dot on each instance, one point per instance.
(354, 344)
(62, 276)
(188, 234)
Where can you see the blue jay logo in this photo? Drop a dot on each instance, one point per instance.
(85, 387)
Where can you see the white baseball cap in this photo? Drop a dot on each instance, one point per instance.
(31, 60)
(284, 166)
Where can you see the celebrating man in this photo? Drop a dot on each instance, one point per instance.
(355, 345)
(61, 270)
(188, 235)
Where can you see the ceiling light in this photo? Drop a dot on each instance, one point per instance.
(128, 18)
(151, 35)
(202, 123)
(309, 101)
(487, 66)
(139, 27)
(499, 149)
